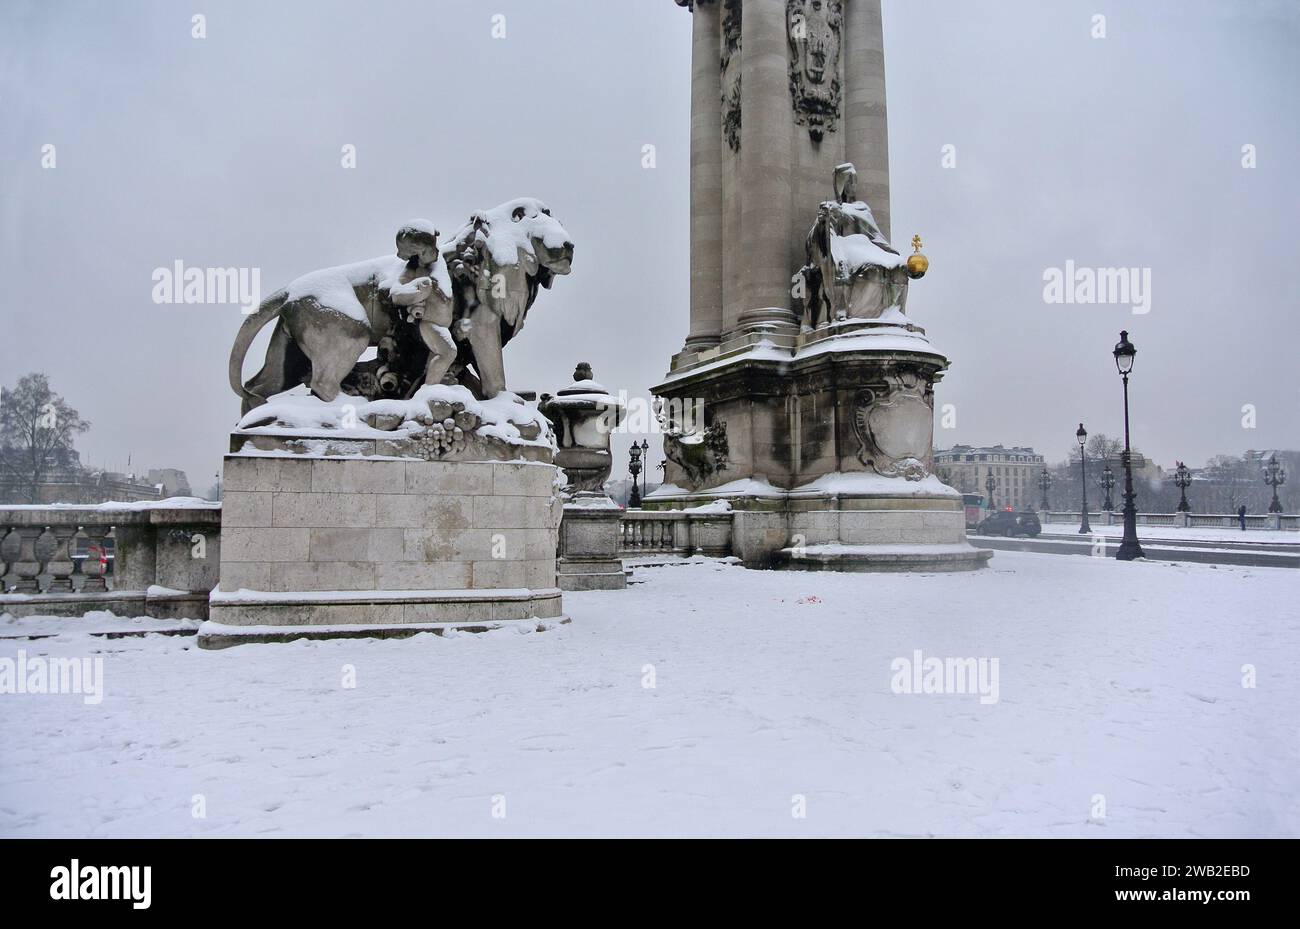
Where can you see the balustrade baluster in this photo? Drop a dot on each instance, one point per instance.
(60, 563)
(28, 566)
(94, 566)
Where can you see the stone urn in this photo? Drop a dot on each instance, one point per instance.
(583, 414)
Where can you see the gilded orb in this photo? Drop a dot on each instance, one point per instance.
(917, 264)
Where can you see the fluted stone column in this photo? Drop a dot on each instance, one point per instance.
(764, 167)
(706, 178)
(866, 128)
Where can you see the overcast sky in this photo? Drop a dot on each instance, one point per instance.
(1124, 151)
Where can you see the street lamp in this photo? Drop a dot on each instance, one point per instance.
(634, 468)
(645, 472)
(1129, 547)
(1045, 484)
(1108, 484)
(990, 484)
(1274, 476)
(1082, 436)
(1183, 480)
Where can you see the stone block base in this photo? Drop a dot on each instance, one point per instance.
(604, 574)
(155, 603)
(882, 558)
(252, 616)
(872, 528)
(878, 533)
(589, 540)
(337, 546)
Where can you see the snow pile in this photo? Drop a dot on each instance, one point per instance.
(868, 482)
(748, 486)
(852, 252)
(334, 288)
(346, 417)
(713, 506)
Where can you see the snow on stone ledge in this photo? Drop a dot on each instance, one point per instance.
(747, 487)
(591, 502)
(168, 503)
(291, 414)
(868, 482)
(96, 621)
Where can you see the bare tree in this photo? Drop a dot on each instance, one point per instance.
(37, 431)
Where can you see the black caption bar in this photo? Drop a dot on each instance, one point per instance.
(142, 879)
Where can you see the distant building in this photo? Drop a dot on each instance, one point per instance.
(173, 480)
(1015, 470)
(66, 481)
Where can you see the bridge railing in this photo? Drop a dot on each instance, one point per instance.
(158, 558)
(1274, 521)
(674, 532)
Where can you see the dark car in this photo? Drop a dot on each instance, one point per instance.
(1005, 522)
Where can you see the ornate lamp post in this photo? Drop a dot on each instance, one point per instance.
(1045, 484)
(1275, 477)
(645, 471)
(990, 484)
(1182, 480)
(1108, 484)
(634, 468)
(1129, 548)
(1082, 436)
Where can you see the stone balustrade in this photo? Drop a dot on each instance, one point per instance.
(1273, 521)
(54, 559)
(675, 532)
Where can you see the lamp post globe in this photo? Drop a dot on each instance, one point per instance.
(1183, 480)
(1082, 436)
(1129, 547)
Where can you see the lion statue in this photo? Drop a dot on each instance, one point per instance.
(326, 320)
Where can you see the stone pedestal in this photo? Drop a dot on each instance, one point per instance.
(317, 543)
(823, 451)
(589, 541)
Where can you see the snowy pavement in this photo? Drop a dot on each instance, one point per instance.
(709, 700)
(1206, 534)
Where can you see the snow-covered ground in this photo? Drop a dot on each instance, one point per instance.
(1120, 691)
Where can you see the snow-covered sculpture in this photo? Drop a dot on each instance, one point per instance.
(432, 318)
(497, 261)
(852, 272)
